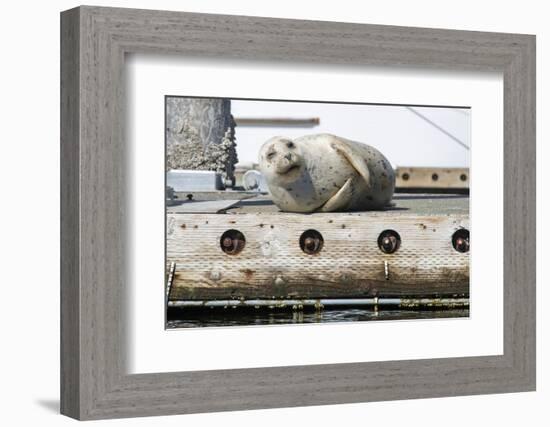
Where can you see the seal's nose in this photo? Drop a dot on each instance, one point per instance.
(288, 156)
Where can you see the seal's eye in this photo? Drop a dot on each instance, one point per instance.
(271, 154)
(290, 144)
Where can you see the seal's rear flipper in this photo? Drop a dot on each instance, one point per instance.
(340, 201)
(355, 159)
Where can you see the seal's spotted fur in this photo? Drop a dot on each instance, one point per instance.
(326, 173)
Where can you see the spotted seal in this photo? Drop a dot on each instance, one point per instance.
(325, 173)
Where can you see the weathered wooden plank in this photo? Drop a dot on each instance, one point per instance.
(432, 178)
(350, 264)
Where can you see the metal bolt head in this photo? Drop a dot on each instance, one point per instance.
(388, 244)
(311, 244)
(389, 241)
(461, 240)
(462, 244)
(232, 242)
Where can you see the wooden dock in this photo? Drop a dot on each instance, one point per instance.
(238, 249)
(432, 179)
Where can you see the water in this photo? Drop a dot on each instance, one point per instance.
(235, 317)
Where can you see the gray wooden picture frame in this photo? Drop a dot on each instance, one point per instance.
(94, 382)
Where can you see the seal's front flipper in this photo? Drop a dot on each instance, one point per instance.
(355, 158)
(341, 200)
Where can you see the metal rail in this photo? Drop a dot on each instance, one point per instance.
(326, 302)
(276, 121)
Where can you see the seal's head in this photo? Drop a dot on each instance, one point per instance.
(281, 160)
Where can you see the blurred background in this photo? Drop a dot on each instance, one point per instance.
(407, 136)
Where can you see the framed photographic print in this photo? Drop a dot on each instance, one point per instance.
(276, 213)
(311, 228)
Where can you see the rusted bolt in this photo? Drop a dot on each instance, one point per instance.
(435, 177)
(462, 245)
(461, 240)
(389, 241)
(232, 242)
(311, 242)
(463, 177)
(405, 176)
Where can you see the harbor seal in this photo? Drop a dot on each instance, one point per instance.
(325, 173)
